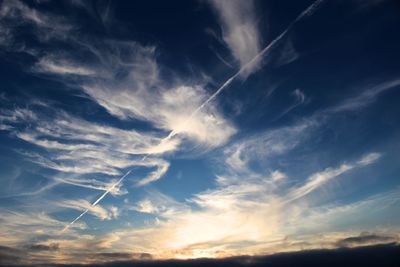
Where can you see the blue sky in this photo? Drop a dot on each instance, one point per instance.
(186, 129)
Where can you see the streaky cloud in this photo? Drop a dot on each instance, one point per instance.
(239, 29)
(307, 12)
(320, 178)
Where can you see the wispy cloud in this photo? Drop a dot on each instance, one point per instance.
(320, 178)
(14, 14)
(268, 144)
(300, 98)
(97, 210)
(238, 219)
(239, 29)
(22, 226)
(160, 205)
(366, 97)
(47, 65)
(256, 202)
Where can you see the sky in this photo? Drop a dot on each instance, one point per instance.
(137, 130)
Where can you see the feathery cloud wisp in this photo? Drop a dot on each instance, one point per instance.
(239, 29)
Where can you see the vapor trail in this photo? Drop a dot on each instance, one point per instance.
(307, 12)
(99, 199)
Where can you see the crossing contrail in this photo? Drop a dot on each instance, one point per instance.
(307, 12)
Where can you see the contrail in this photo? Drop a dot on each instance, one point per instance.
(99, 199)
(307, 12)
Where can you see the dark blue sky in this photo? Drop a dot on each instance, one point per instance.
(186, 129)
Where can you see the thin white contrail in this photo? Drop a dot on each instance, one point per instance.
(98, 200)
(307, 12)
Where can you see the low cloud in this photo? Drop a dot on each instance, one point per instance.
(41, 247)
(388, 256)
(367, 239)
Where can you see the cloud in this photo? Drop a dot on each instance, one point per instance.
(161, 168)
(267, 144)
(287, 54)
(168, 110)
(17, 115)
(300, 98)
(146, 206)
(125, 78)
(204, 124)
(29, 224)
(78, 147)
(239, 29)
(238, 18)
(11, 256)
(160, 205)
(90, 183)
(248, 204)
(320, 178)
(41, 247)
(47, 65)
(367, 239)
(81, 205)
(366, 97)
(229, 218)
(105, 257)
(16, 14)
(75, 167)
(241, 213)
(17, 9)
(327, 257)
(361, 214)
(369, 158)
(49, 144)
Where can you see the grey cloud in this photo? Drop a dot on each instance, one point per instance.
(14, 14)
(42, 247)
(11, 256)
(112, 256)
(366, 238)
(287, 54)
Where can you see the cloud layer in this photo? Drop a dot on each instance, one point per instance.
(111, 151)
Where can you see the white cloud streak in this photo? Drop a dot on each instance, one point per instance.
(300, 99)
(365, 97)
(239, 28)
(320, 178)
(47, 65)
